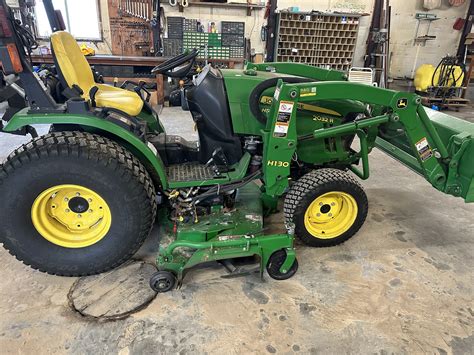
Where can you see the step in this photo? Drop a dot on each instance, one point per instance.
(189, 172)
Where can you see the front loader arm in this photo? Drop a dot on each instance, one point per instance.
(302, 70)
(402, 129)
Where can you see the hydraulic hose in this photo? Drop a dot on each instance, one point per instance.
(447, 68)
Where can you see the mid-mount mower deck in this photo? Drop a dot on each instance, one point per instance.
(85, 196)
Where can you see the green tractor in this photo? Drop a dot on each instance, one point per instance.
(82, 199)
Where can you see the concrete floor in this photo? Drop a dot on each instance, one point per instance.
(403, 284)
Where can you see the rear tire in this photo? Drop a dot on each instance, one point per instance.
(327, 207)
(74, 159)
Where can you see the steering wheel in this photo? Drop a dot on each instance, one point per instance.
(167, 67)
(256, 94)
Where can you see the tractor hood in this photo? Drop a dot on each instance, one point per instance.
(240, 83)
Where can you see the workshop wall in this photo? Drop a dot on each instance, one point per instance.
(406, 57)
(358, 6)
(105, 46)
(253, 23)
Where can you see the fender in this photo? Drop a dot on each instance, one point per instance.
(147, 156)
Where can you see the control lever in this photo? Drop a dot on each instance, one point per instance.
(184, 100)
(219, 162)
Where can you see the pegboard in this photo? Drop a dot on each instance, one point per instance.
(130, 28)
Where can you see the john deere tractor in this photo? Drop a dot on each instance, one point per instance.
(82, 199)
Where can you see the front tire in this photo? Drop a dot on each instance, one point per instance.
(327, 207)
(74, 204)
(162, 281)
(276, 261)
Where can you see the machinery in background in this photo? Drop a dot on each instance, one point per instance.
(442, 86)
(378, 44)
(156, 23)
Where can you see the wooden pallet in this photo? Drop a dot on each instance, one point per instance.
(444, 103)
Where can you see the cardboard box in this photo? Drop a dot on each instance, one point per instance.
(469, 39)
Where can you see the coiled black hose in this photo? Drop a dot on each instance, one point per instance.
(26, 37)
(447, 68)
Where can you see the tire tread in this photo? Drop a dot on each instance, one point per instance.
(307, 183)
(92, 147)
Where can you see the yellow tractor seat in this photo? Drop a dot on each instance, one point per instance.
(75, 71)
(120, 99)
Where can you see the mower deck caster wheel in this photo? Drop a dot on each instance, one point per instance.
(274, 264)
(162, 281)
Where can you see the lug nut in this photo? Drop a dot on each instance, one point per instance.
(89, 200)
(319, 215)
(330, 214)
(320, 203)
(79, 216)
(66, 199)
(333, 204)
(78, 194)
(90, 211)
(68, 210)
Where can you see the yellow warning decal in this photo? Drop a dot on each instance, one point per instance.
(305, 92)
(278, 164)
(267, 100)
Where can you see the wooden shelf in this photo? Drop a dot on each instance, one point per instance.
(115, 60)
(248, 7)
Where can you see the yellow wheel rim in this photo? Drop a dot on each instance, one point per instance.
(71, 216)
(330, 215)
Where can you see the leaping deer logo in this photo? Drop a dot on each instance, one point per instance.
(402, 103)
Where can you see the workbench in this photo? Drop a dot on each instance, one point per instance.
(146, 64)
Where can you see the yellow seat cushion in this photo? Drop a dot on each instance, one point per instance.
(75, 70)
(120, 99)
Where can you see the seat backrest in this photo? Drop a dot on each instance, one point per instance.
(71, 63)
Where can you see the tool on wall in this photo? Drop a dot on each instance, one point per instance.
(420, 38)
(137, 8)
(131, 27)
(173, 2)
